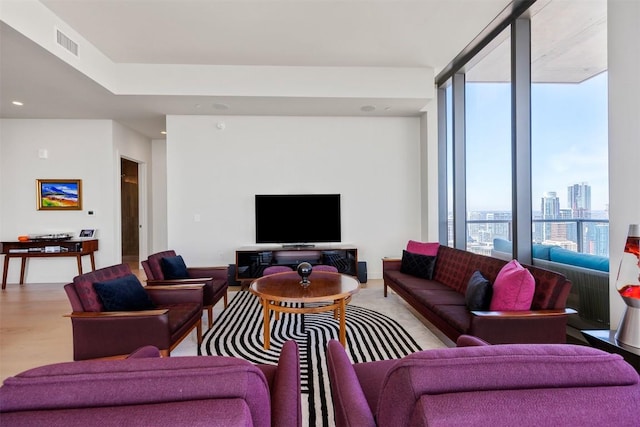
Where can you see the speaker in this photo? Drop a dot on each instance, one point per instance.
(362, 271)
(231, 276)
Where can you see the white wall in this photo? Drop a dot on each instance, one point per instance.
(77, 149)
(158, 196)
(624, 134)
(212, 173)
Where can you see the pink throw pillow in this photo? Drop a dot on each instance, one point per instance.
(423, 248)
(513, 288)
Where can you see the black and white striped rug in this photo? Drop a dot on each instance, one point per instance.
(370, 336)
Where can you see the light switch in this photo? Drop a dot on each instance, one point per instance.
(196, 217)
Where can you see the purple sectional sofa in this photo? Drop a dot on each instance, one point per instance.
(143, 391)
(442, 300)
(491, 385)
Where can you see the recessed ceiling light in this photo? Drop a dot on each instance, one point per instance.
(164, 132)
(18, 103)
(220, 106)
(367, 108)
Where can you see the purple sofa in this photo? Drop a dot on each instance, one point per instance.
(142, 391)
(442, 300)
(214, 280)
(491, 385)
(99, 334)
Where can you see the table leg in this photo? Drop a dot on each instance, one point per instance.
(267, 335)
(79, 259)
(5, 271)
(93, 261)
(23, 267)
(343, 323)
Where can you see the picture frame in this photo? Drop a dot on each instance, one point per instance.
(59, 194)
(88, 232)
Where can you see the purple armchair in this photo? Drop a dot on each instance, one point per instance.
(214, 280)
(499, 385)
(98, 333)
(212, 391)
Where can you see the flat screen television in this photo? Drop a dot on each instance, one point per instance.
(298, 218)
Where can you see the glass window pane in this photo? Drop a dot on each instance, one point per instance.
(488, 146)
(569, 125)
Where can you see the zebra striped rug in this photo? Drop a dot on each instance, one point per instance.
(370, 336)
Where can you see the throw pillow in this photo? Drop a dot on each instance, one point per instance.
(417, 265)
(123, 294)
(513, 288)
(479, 292)
(423, 248)
(174, 268)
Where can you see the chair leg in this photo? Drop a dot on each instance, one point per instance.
(199, 331)
(210, 315)
(225, 300)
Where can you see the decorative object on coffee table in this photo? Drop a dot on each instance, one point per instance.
(304, 270)
(628, 285)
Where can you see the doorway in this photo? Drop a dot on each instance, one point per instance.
(129, 195)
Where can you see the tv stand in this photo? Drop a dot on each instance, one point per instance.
(298, 245)
(252, 260)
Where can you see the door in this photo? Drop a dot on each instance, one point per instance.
(129, 192)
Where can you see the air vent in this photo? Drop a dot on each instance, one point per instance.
(66, 42)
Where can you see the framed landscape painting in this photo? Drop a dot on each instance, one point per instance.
(59, 194)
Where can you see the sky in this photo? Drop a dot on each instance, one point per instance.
(569, 142)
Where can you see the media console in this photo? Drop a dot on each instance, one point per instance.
(252, 260)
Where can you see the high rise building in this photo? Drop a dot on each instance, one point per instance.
(550, 208)
(579, 200)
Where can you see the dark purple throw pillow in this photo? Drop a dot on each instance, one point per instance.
(123, 294)
(174, 268)
(417, 265)
(479, 292)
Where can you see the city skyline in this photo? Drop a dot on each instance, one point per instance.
(569, 142)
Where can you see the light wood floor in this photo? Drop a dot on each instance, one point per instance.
(34, 331)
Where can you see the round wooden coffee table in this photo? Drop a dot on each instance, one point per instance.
(334, 289)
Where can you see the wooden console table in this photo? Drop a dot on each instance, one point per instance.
(38, 249)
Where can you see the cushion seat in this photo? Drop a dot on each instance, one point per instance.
(179, 315)
(433, 298)
(406, 281)
(457, 316)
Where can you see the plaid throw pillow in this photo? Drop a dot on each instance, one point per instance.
(417, 265)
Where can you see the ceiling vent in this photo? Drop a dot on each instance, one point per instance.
(66, 42)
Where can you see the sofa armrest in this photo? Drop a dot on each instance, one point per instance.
(175, 294)
(286, 409)
(104, 314)
(190, 281)
(219, 273)
(531, 327)
(524, 313)
(105, 334)
(391, 264)
(349, 402)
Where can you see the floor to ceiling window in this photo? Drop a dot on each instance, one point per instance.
(529, 112)
(565, 193)
(569, 125)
